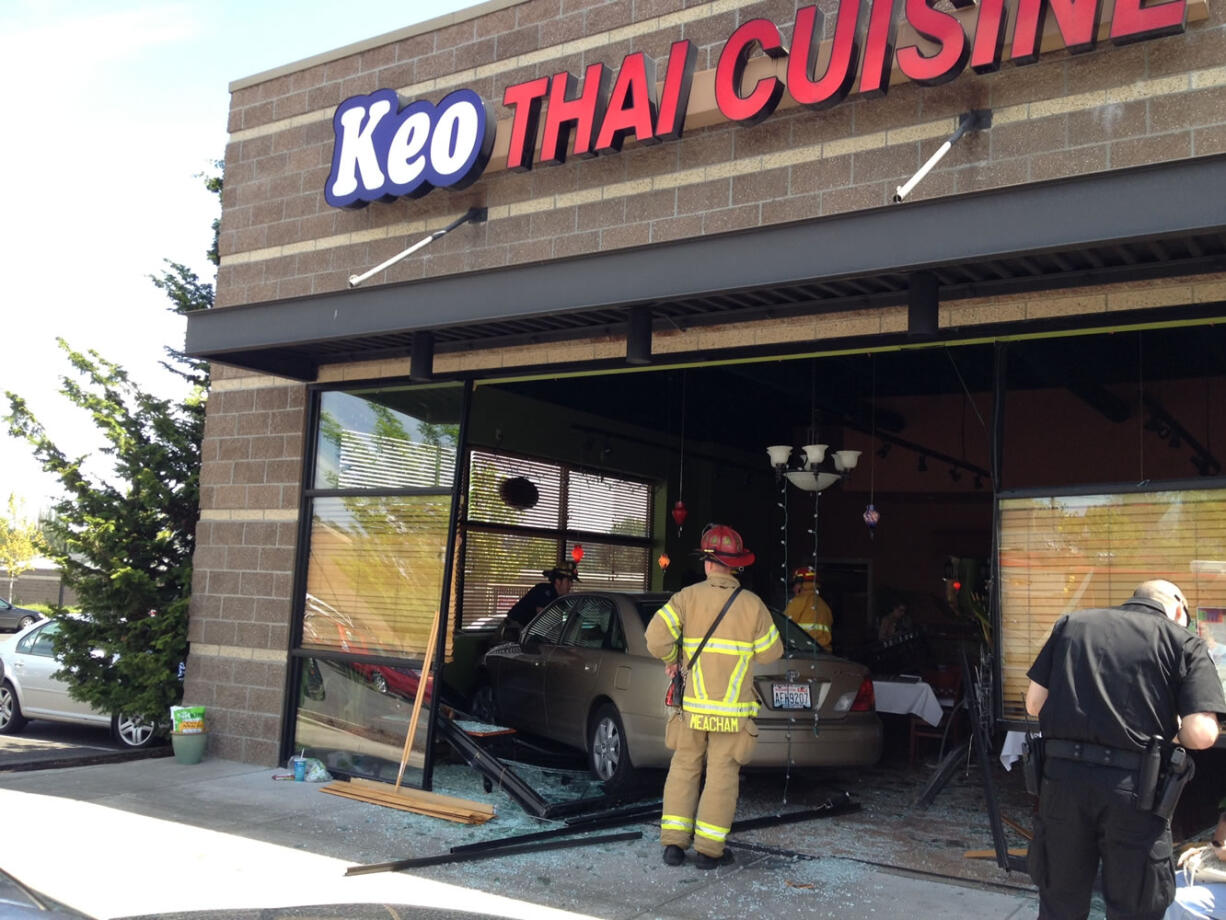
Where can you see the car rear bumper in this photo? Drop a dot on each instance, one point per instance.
(853, 742)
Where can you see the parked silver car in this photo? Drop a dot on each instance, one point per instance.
(580, 674)
(29, 690)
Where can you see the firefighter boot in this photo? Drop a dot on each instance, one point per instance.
(703, 861)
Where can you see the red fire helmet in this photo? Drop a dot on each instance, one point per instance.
(723, 544)
(804, 573)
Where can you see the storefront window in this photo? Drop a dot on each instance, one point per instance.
(354, 717)
(1060, 553)
(375, 573)
(526, 514)
(401, 439)
(379, 518)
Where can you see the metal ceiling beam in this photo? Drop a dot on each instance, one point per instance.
(1102, 209)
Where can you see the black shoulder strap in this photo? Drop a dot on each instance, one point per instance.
(698, 651)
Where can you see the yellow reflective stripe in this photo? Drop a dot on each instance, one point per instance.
(697, 683)
(671, 656)
(766, 641)
(670, 620)
(710, 831)
(721, 646)
(821, 627)
(736, 679)
(676, 823)
(721, 707)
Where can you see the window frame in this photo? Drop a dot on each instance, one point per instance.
(563, 537)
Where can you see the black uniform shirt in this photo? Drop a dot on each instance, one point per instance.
(527, 606)
(1116, 676)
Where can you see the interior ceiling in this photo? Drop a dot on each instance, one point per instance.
(743, 404)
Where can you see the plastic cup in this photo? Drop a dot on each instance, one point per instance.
(299, 769)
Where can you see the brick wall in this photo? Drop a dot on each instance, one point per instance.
(250, 479)
(40, 586)
(1065, 115)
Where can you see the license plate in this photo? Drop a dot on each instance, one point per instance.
(791, 696)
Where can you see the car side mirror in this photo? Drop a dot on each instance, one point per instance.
(510, 631)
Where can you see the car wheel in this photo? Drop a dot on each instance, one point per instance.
(482, 705)
(607, 750)
(379, 682)
(24, 622)
(11, 719)
(132, 732)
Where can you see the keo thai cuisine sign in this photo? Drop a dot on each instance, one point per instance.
(384, 150)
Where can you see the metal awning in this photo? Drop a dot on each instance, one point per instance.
(1144, 222)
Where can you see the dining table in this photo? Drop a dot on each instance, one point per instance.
(904, 695)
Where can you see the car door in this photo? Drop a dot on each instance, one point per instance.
(34, 663)
(518, 669)
(573, 667)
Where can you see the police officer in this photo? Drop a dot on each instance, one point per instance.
(808, 609)
(559, 581)
(1105, 683)
(714, 726)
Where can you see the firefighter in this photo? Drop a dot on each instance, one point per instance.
(714, 728)
(808, 609)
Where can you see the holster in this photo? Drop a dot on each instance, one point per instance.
(1147, 775)
(1178, 773)
(1032, 764)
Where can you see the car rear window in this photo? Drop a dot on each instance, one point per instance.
(795, 640)
(646, 610)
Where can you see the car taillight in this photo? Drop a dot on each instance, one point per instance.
(865, 700)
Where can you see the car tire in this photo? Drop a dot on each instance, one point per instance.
(132, 732)
(608, 754)
(11, 719)
(24, 622)
(483, 704)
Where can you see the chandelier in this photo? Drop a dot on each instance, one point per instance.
(817, 467)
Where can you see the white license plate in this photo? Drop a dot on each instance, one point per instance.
(791, 696)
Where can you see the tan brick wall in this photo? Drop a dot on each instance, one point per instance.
(1063, 116)
(243, 567)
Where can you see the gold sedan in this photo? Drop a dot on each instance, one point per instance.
(580, 675)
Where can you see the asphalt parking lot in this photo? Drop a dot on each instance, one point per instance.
(45, 745)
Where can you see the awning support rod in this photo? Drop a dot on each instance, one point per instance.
(476, 215)
(974, 120)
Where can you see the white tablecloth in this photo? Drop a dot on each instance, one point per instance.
(908, 696)
(1011, 750)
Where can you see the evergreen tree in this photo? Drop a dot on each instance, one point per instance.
(125, 544)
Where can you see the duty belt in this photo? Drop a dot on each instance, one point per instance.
(1096, 754)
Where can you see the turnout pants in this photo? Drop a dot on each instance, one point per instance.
(705, 818)
(1087, 816)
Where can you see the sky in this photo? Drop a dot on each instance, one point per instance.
(115, 109)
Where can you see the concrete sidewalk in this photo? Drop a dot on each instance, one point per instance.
(159, 838)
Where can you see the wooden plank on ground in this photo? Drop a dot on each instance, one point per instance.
(416, 800)
(421, 795)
